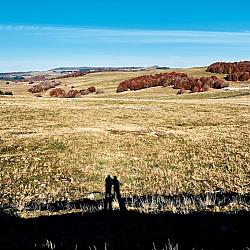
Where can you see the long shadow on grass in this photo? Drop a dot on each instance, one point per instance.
(129, 230)
(156, 203)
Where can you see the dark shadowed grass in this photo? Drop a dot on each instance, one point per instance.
(131, 230)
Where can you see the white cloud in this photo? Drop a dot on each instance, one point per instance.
(77, 34)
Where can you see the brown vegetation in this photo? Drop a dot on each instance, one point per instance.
(75, 74)
(57, 92)
(43, 86)
(237, 71)
(73, 92)
(175, 79)
(62, 93)
(91, 89)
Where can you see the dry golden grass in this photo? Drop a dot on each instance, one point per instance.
(155, 141)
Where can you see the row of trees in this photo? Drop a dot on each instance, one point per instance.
(236, 71)
(175, 79)
(75, 74)
(58, 92)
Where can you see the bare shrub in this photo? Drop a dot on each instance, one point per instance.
(99, 91)
(73, 94)
(43, 86)
(91, 89)
(57, 92)
(84, 92)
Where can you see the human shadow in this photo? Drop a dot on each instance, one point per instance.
(113, 183)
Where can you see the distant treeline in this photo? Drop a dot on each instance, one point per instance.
(13, 78)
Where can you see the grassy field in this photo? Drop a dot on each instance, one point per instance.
(155, 141)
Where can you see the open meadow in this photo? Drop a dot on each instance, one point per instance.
(155, 141)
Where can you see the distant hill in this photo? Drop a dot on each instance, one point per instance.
(68, 68)
(15, 76)
(100, 69)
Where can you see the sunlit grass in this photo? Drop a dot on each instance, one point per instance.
(155, 141)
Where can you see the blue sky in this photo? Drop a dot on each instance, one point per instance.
(37, 35)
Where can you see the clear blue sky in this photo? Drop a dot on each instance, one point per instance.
(45, 34)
